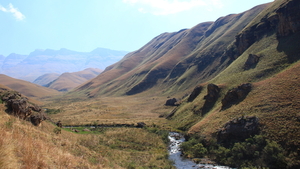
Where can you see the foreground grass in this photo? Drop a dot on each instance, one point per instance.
(25, 146)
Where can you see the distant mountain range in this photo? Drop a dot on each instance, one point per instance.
(40, 62)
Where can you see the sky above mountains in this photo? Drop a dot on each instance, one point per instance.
(83, 25)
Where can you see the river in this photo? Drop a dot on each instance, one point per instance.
(182, 163)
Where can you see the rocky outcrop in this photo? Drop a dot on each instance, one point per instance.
(171, 102)
(19, 106)
(59, 124)
(236, 95)
(251, 61)
(288, 18)
(37, 119)
(283, 21)
(195, 93)
(238, 130)
(212, 93)
(210, 99)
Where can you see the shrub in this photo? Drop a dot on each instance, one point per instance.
(57, 130)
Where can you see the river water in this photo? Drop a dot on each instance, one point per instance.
(181, 163)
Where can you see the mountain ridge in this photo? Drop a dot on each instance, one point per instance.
(39, 62)
(173, 55)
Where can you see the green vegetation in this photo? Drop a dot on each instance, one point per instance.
(52, 111)
(253, 152)
(129, 147)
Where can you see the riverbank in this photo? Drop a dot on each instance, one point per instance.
(175, 155)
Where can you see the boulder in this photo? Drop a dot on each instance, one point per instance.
(19, 108)
(59, 124)
(238, 130)
(171, 102)
(195, 93)
(251, 61)
(37, 119)
(236, 95)
(86, 129)
(141, 125)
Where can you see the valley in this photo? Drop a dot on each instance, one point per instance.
(231, 87)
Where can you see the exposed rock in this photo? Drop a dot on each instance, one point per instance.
(141, 124)
(236, 95)
(59, 124)
(37, 119)
(86, 129)
(194, 93)
(75, 130)
(238, 130)
(283, 21)
(171, 102)
(211, 97)
(212, 93)
(289, 18)
(9, 96)
(251, 61)
(19, 108)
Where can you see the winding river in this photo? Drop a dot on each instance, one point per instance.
(181, 163)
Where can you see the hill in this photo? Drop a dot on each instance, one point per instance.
(68, 81)
(40, 62)
(46, 79)
(173, 62)
(26, 88)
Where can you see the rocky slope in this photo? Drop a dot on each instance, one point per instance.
(40, 62)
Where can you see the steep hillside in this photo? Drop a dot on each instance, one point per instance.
(267, 53)
(26, 88)
(174, 61)
(40, 62)
(68, 81)
(46, 79)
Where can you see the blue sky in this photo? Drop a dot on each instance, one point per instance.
(83, 25)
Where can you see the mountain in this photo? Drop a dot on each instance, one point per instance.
(46, 79)
(40, 62)
(68, 81)
(244, 69)
(173, 61)
(26, 88)
(11, 60)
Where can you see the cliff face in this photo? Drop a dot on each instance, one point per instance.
(284, 20)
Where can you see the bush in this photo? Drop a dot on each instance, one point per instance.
(273, 156)
(57, 130)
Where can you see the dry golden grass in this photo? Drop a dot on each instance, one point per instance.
(275, 101)
(24, 146)
(111, 110)
(26, 88)
(27, 146)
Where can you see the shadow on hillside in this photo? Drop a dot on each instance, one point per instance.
(290, 46)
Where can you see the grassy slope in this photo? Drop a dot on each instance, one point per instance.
(68, 81)
(46, 79)
(172, 59)
(274, 97)
(23, 145)
(27, 88)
